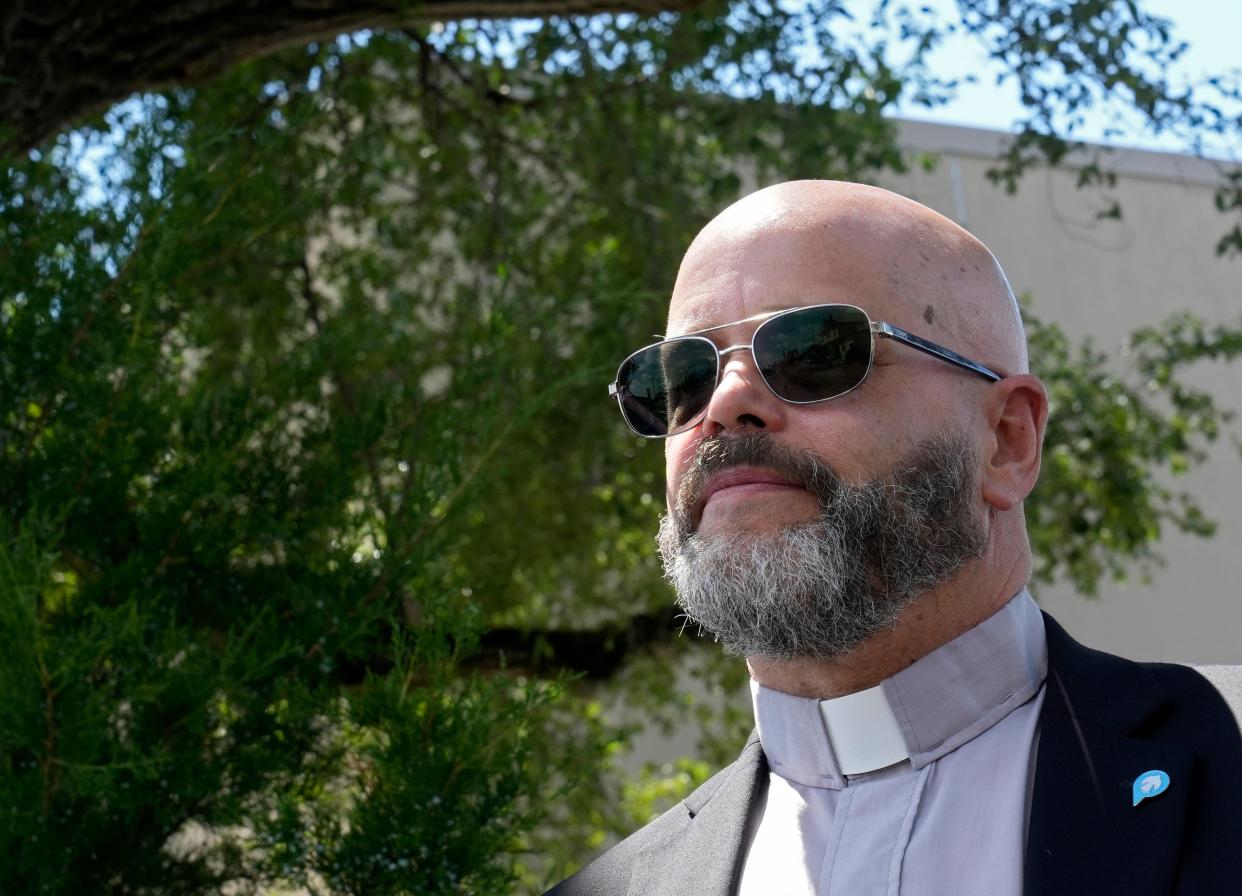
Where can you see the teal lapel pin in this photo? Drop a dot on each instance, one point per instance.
(1149, 784)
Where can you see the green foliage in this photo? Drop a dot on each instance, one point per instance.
(235, 488)
(1229, 199)
(657, 788)
(303, 395)
(1114, 442)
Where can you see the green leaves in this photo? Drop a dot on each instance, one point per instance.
(1117, 435)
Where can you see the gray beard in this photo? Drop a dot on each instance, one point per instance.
(821, 588)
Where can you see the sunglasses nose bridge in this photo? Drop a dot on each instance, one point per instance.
(742, 396)
(748, 356)
(724, 352)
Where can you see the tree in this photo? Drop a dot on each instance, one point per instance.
(313, 501)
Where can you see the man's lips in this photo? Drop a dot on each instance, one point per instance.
(738, 477)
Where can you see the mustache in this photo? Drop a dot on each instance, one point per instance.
(715, 454)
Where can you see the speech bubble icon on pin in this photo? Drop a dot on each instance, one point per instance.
(1149, 784)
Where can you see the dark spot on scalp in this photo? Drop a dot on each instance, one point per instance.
(929, 314)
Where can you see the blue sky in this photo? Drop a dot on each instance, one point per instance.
(1213, 29)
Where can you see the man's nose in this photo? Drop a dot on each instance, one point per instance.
(742, 399)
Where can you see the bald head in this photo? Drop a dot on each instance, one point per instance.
(976, 441)
(900, 260)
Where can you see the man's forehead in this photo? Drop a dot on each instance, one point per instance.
(725, 281)
(805, 243)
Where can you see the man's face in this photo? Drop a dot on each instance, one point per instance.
(799, 530)
(906, 399)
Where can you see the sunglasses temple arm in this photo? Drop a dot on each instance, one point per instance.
(936, 351)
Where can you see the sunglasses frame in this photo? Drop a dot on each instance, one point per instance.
(877, 328)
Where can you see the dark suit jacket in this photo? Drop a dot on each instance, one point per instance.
(1105, 720)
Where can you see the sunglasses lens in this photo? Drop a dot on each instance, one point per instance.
(814, 353)
(665, 386)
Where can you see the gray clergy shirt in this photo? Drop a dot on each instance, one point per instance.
(920, 785)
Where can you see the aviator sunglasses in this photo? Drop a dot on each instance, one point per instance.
(804, 355)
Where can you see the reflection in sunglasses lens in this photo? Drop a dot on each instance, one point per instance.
(667, 385)
(814, 353)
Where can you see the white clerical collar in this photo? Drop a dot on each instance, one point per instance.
(931, 708)
(863, 731)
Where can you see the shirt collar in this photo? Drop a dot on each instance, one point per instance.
(952, 695)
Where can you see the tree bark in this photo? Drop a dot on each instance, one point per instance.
(62, 60)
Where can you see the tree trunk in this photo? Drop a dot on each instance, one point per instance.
(61, 60)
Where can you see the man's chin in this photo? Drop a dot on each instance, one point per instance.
(766, 515)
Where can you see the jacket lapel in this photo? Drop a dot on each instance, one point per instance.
(707, 860)
(1086, 836)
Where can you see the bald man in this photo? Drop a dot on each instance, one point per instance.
(850, 430)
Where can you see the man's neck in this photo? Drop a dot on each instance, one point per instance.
(931, 621)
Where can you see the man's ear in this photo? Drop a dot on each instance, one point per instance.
(1017, 414)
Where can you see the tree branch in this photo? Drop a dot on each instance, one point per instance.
(62, 61)
(595, 653)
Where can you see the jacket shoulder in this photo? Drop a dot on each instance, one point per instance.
(610, 873)
(1227, 680)
(1137, 697)
(1199, 708)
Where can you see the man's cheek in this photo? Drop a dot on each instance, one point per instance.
(683, 446)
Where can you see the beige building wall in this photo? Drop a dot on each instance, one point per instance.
(1104, 278)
